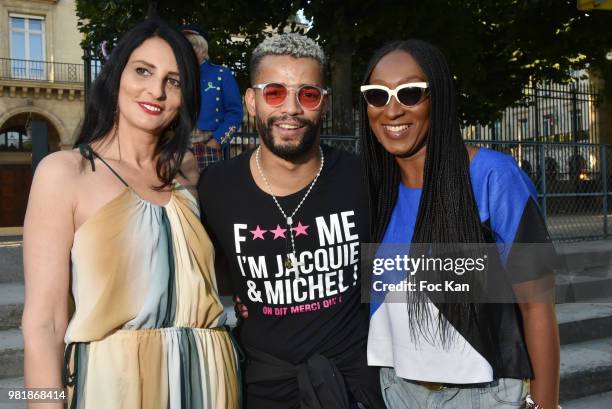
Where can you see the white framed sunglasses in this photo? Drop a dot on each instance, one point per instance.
(408, 94)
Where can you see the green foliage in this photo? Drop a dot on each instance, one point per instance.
(495, 47)
(225, 21)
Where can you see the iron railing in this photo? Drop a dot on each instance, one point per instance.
(29, 70)
(548, 113)
(552, 134)
(244, 141)
(573, 180)
(91, 68)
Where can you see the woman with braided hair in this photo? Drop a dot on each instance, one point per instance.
(426, 186)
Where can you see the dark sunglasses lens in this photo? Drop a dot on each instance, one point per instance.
(309, 97)
(376, 97)
(275, 94)
(410, 96)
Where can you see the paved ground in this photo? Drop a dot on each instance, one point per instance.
(578, 226)
(600, 401)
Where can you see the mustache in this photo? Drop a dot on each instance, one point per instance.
(288, 118)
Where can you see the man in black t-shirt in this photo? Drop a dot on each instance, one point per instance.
(290, 222)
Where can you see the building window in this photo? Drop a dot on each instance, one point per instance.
(15, 139)
(27, 44)
(548, 125)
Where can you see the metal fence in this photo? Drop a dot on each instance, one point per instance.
(573, 180)
(91, 68)
(244, 141)
(548, 113)
(552, 134)
(29, 70)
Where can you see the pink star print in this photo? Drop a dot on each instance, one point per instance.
(279, 232)
(258, 233)
(300, 229)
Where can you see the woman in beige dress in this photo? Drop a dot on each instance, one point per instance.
(121, 295)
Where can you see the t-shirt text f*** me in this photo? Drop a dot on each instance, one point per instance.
(312, 305)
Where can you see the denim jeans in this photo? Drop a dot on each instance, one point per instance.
(398, 393)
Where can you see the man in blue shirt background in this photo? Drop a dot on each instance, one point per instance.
(221, 107)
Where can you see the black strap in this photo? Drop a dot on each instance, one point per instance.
(88, 153)
(70, 379)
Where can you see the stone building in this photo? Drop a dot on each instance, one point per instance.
(41, 94)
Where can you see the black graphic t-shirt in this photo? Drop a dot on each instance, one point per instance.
(313, 306)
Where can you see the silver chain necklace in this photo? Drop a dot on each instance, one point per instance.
(289, 261)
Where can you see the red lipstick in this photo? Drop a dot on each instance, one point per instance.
(151, 108)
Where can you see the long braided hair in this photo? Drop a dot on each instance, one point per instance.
(447, 210)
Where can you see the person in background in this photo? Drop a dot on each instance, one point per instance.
(221, 110)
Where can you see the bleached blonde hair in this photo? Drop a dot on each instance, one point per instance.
(199, 44)
(291, 44)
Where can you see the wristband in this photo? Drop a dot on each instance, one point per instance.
(530, 404)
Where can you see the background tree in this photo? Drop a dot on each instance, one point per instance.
(232, 34)
(495, 47)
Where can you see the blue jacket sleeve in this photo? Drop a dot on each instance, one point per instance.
(525, 246)
(232, 107)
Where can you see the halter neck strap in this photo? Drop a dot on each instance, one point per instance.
(89, 154)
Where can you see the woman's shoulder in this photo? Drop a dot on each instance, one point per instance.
(60, 164)
(55, 182)
(489, 158)
(500, 172)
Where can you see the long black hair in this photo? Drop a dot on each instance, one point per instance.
(101, 109)
(447, 209)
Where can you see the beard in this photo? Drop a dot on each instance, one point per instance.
(289, 152)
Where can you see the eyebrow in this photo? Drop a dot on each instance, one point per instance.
(148, 64)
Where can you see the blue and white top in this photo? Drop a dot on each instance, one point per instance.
(506, 200)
